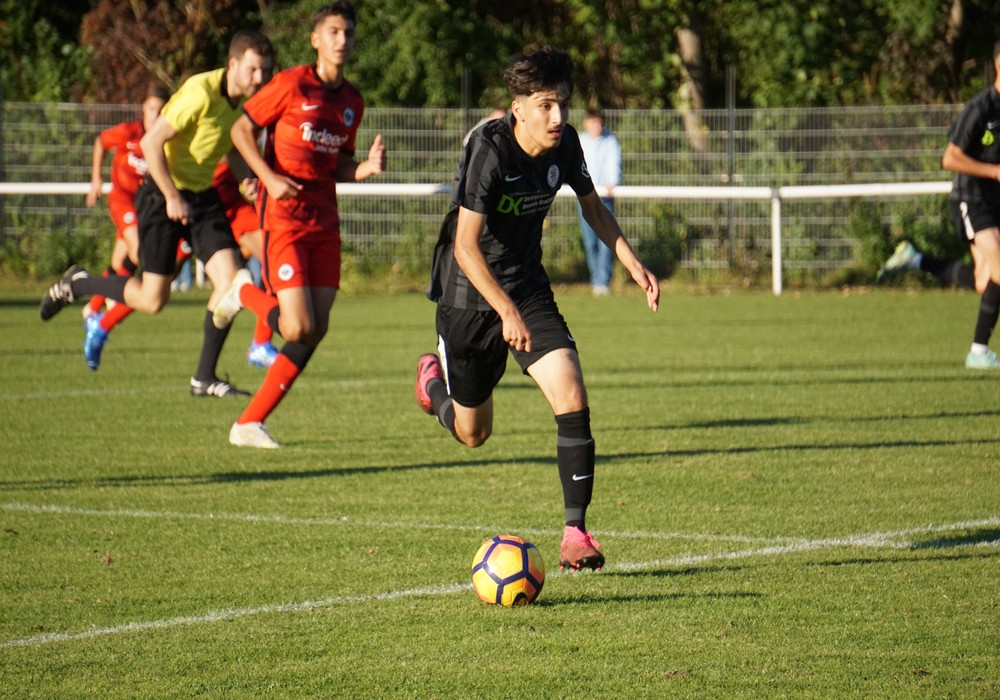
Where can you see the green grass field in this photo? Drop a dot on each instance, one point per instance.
(797, 497)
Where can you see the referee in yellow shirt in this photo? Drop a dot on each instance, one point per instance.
(177, 202)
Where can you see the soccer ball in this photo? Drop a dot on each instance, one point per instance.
(508, 570)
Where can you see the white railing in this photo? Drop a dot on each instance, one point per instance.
(775, 194)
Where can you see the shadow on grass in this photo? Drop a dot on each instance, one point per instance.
(895, 557)
(603, 460)
(975, 537)
(553, 601)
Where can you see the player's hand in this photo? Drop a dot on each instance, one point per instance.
(250, 188)
(376, 155)
(94, 194)
(178, 210)
(283, 187)
(516, 334)
(647, 280)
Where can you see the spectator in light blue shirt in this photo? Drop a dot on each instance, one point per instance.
(603, 154)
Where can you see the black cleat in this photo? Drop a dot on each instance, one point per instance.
(216, 387)
(60, 294)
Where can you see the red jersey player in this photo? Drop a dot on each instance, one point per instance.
(313, 113)
(128, 167)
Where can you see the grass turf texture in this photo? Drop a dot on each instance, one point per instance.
(798, 497)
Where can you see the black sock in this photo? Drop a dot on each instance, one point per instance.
(129, 266)
(298, 353)
(444, 407)
(989, 310)
(112, 287)
(272, 319)
(575, 457)
(211, 348)
(953, 272)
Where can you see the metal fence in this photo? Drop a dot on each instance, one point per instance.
(768, 148)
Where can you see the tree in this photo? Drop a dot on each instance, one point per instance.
(165, 40)
(40, 58)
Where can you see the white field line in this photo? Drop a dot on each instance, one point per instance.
(345, 521)
(174, 388)
(892, 539)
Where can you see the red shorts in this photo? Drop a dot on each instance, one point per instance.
(243, 219)
(306, 260)
(122, 210)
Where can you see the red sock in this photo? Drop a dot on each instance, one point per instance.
(277, 382)
(257, 300)
(262, 332)
(96, 302)
(115, 315)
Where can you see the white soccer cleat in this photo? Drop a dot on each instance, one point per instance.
(252, 435)
(229, 304)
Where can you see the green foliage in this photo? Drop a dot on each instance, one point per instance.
(40, 58)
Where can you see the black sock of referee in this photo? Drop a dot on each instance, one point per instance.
(953, 272)
(112, 287)
(575, 456)
(989, 310)
(442, 404)
(211, 348)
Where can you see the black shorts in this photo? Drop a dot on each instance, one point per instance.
(207, 230)
(473, 351)
(972, 217)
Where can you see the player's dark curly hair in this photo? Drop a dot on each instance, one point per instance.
(342, 8)
(539, 71)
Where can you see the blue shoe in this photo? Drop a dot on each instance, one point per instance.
(94, 342)
(982, 360)
(261, 354)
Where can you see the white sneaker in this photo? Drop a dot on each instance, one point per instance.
(229, 304)
(251, 435)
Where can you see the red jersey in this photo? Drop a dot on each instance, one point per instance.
(311, 126)
(128, 167)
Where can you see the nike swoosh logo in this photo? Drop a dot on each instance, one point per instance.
(511, 178)
(306, 107)
(581, 477)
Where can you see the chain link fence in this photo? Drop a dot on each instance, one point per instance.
(54, 142)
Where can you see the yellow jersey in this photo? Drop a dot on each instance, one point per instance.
(202, 114)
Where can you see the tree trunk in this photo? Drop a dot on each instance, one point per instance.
(692, 89)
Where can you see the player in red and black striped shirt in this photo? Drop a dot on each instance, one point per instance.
(313, 113)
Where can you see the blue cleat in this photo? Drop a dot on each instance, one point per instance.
(94, 342)
(261, 354)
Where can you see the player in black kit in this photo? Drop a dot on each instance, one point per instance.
(493, 294)
(973, 152)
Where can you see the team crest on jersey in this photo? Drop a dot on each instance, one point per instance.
(988, 138)
(553, 176)
(583, 169)
(285, 272)
(129, 217)
(349, 117)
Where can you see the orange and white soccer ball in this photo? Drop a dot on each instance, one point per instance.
(508, 570)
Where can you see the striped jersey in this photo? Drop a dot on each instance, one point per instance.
(310, 126)
(514, 191)
(977, 132)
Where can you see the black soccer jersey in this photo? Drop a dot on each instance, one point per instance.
(514, 191)
(977, 132)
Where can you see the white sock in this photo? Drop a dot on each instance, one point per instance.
(979, 349)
